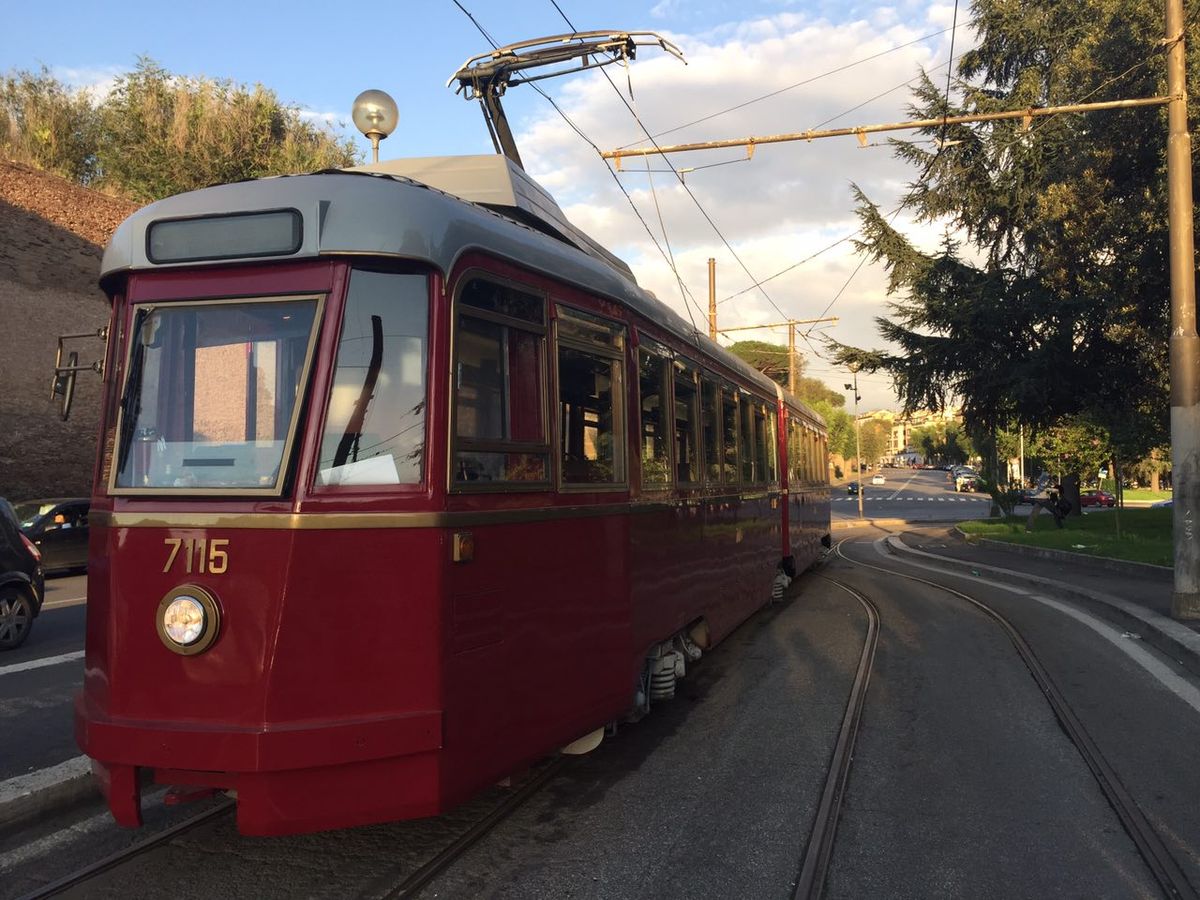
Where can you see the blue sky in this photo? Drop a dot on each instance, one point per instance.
(777, 209)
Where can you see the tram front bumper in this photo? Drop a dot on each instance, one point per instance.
(289, 778)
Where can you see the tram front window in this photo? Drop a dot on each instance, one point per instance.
(210, 394)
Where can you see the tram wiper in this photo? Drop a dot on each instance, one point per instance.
(133, 389)
(347, 447)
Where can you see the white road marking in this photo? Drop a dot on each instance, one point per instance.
(903, 487)
(1180, 687)
(53, 841)
(41, 663)
(59, 604)
(56, 839)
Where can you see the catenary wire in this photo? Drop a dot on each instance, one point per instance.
(789, 87)
(689, 301)
(680, 178)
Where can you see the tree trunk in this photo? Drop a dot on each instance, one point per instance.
(1070, 493)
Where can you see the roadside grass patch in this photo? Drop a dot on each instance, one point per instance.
(1146, 494)
(1145, 534)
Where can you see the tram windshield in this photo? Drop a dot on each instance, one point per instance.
(210, 398)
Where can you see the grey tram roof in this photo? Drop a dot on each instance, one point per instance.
(431, 209)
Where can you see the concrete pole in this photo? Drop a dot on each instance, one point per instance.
(862, 487)
(712, 298)
(792, 358)
(1185, 345)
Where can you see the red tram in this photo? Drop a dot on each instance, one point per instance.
(403, 484)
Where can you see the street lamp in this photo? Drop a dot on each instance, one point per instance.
(376, 116)
(857, 441)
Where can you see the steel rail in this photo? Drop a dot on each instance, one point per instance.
(810, 882)
(1171, 878)
(87, 873)
(412, 884)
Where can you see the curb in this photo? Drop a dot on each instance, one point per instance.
(45, 790)
(1166, 635)
(891, 523)
(1107, 563)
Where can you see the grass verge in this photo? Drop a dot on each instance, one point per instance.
(1146, 494)
(1145, 534)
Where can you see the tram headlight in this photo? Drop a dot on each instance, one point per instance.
(188, 619)
(184, 620)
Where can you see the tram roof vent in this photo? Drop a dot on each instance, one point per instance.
(498, 183)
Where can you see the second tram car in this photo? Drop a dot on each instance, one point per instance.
(404, 484)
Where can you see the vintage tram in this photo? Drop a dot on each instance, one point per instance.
(403, 483)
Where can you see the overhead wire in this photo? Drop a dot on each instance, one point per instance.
(680, 178)
(801, 83)
(689, 301)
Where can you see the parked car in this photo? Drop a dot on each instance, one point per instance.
(58, 526)
(852, 487)
(877, 479)
(1097, 498)
(22, 583)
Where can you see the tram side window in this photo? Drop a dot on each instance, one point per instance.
(654, 369)
(375, 425)
(772, 448)
(710, 413)
(762, 473)
(687, 419)
(729, 423)
(499, 372)
(591, 355)
(823, 460)
(748, 474)
(795, 452)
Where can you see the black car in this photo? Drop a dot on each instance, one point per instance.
(22, 586)
(852, 487)
(59, 528)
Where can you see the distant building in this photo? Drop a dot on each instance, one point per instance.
(900, 447)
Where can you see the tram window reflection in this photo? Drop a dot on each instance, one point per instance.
(687, 456)
(748, 474)
(709, 415)
(587, 389)
(375, 425)
(210, 396)
(653, 380)
(729, 421)
(499, 365)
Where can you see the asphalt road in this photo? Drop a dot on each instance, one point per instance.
(914, 495)
(36, 729)
(963, 783)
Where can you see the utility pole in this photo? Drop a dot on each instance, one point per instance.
(712, 298)
(857, 441)
(1185, 345)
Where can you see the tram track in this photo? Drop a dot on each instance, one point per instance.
(403, 885)
(128, 854)
(810, 882)
(1150, 845)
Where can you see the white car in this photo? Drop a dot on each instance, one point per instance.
(877, 479)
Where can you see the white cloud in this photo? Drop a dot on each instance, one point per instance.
(336, 119)
(786, 203)
(97, 81)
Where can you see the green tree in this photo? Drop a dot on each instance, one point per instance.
(46, 125)
(158, 133)
(162, 134)
(1058, 306)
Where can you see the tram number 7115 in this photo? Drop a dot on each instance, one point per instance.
(199, 555)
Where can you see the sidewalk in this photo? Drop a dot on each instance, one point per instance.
(1139, 601)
